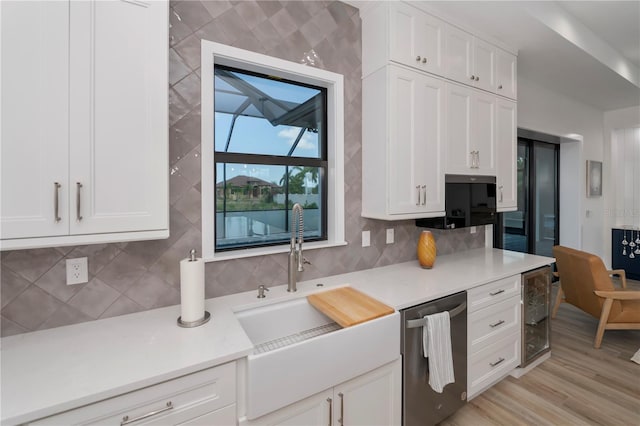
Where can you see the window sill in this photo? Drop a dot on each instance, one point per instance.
(240, 254)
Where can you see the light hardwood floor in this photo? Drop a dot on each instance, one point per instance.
(578, 385)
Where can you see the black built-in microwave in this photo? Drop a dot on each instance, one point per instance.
(468, 201)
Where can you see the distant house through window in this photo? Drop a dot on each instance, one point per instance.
(271, 137)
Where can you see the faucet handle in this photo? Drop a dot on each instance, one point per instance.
(261, 290)
(302, 261)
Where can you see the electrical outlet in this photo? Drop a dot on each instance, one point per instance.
(390, 236)
(473, 230)
(77, 270)
(366, 238)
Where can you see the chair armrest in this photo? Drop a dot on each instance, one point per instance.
(619, 295)
(621, 273)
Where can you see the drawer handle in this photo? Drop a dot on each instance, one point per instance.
(330, 401)
(126, 420)
(499, 361)
(496, 324)
(341, 419)
(495, 293)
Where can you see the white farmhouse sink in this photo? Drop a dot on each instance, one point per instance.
(300, 351)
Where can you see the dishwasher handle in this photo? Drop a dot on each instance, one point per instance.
(421, 322)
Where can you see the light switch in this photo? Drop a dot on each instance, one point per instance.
(366, 238)
(390, 236)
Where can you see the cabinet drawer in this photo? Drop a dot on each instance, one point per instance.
(492, 323)
(189, 397)
(493, 363)
(493, 292)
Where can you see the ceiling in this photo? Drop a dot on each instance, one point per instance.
(587, 50)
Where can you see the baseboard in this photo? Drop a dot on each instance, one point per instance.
(519, 372)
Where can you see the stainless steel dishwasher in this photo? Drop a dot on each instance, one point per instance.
(421, 405)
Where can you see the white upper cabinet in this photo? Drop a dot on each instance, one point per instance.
(470, 147)
(84, 122)
(119, 150)
(469, 60)
(506, 156)
(35, 122)
(413, 38)
(506, 74)
(416, 38)
(403, 133)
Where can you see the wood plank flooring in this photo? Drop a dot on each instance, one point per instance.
(578, 385)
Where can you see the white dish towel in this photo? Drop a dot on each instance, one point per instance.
(436, 343)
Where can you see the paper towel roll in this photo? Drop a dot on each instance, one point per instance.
(191, 289)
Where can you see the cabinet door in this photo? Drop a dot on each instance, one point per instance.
(417, 38)
(403, 190)
(372, 399)
(483, 122)
(415, 143)
(458, 148)
(506, 74)
(429, 150)
(484, 62)
(458, 53)
(317, 410)
(404, 34)
(35, 105)
(506, 147)
(119, 127)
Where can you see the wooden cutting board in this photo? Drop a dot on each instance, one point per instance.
(348, 306)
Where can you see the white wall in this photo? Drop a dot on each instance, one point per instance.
(539, 109)
(615, 120)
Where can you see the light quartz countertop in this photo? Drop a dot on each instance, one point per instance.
(49, 371)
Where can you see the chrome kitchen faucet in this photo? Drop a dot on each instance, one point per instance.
(296, 259)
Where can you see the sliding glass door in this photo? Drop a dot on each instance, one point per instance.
(534, 227)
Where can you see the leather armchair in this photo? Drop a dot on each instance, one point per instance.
(586, 283)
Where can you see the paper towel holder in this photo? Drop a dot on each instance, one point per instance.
(207, 316)
(191, 324)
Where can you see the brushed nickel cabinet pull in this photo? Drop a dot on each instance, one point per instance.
(424, 195)
(501, 196)
(56, 201)
(126, 420)
(418, 190)
(495, 293)
(499, 361)
(496, 324)
(341, 419)
(330, 411)
(78, 211)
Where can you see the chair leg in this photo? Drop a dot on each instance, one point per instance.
(559, 297)
(604, 316)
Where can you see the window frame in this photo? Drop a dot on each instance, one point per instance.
(219, 54)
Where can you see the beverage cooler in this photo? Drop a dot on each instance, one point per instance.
(536, 314)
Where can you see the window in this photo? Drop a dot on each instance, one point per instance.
(270, 152)
(271, 137)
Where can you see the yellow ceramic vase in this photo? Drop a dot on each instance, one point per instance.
(426, 250)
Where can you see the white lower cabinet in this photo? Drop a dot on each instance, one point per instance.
(493, 333)
(374, 398)
(204, 398)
